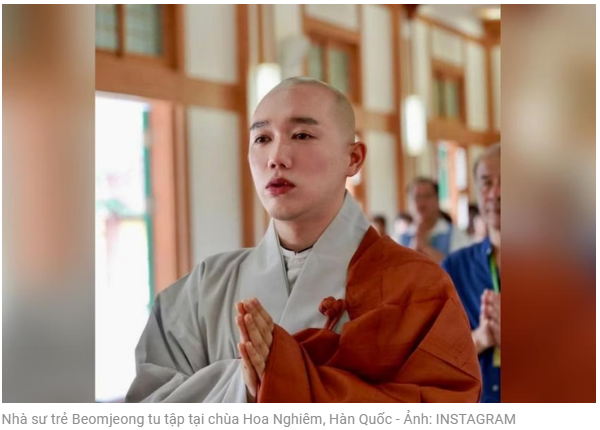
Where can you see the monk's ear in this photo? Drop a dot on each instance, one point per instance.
(358, 153)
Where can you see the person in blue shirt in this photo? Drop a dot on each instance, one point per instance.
(475, 272)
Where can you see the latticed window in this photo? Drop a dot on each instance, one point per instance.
(137, 29)
(107, 33)
(448, 97)
(143, 29)
(339, 70)
(332, 62)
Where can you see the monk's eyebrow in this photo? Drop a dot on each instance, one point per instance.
(304, 120)
(259, 124)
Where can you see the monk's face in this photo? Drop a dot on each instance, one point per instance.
(299, 153)
(488, 190)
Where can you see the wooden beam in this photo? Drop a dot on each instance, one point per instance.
(246, 182)
(396, 123)
(411, 10)
(447, 69)
(120, 29)
(140, 77)
(322, 28)
(489, 88)
(492, 30)
(435, 23)
(261, 41)
(179, 35)
(358, 75)
(164, 190)
(384, 122)
(443, 129)
(182, 193)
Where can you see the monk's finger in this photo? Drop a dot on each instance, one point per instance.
(263, 312)
(261, 324)
(256, 336)
(239, 307)
(239, 320)
(246, 363)
(257, 360)
(250, 375)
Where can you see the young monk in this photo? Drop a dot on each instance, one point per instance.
(323, 309)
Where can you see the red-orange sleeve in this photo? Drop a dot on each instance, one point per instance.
(439, 366)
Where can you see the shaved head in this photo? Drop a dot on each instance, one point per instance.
(302, 133)
(343, 111)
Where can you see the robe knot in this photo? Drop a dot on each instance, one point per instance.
(333, 309)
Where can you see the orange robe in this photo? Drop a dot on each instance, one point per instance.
(408, 338)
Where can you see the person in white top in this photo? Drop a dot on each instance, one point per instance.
(430, 233)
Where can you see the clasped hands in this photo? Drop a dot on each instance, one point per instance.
(420, 243)
(487, 334)
(255, 326)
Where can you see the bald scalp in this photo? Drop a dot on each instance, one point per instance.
(343, 110)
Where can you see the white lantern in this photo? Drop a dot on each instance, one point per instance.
(268, 75)
(415, 125)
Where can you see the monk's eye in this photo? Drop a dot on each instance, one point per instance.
(302, 136)
(261, 139)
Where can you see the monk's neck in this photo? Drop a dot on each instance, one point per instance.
(495, 241)
(298, 235)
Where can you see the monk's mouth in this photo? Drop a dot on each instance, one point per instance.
(278, 187)
(280, 183)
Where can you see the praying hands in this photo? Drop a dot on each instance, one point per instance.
(487, 334)
(256, 336)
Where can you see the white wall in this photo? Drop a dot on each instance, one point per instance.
(476, 88)
(425, 162)
(288, 20)
(421, 62)
(377, 59)
(214, 153)
(458, 16)
(381, 175)
(342, 15)
(288, 37)
(259, 219)
(496, 85)
(211, 42)
(447, 47)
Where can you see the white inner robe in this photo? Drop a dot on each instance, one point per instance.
(188, 352)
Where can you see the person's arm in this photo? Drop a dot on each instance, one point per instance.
(431, 252)
(171, 356)
(481, 335)
(421, 244)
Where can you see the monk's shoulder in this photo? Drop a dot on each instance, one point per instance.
(207, 274)
(388, 254)
(397, 254)
(405, 272)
